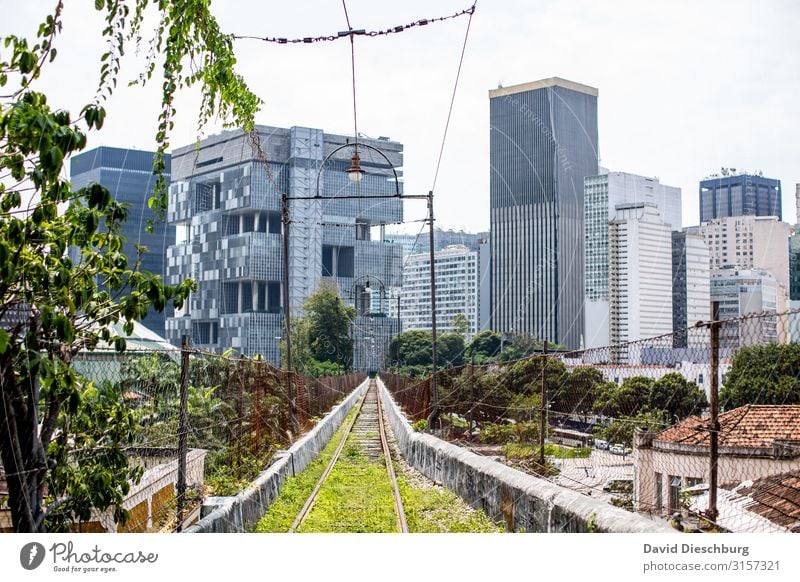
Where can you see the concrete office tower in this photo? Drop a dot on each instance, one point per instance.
(691, 283)
(128, 175)
(225, 204)
(749, 241)
(602, 194)
(458, 289)
(739, 195)
(740, 292)
(640, 275)
(543, 142)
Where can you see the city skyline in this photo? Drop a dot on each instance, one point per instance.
(641, 96)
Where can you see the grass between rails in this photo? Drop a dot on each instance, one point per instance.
(295, 491)
(357, 497)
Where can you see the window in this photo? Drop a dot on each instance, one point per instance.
(659, 493)
(337, 261)
(205, 332)
(674, 493)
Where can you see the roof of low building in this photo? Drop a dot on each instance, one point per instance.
(776, 498)
(749, 426)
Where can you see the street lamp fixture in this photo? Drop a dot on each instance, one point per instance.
(355, 172)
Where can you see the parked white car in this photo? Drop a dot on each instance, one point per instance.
(616, 450)
(600, 444)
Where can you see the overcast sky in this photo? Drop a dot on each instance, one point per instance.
(685, 86)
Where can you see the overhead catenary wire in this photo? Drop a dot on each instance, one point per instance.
(361, 32)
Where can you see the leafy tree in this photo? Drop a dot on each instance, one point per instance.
(484, 345)
(155, 375)
(625, 400)
(579, 391)
(673, 395)
(88, 445)
(50, 306)
(765, 374)
(450, 349)
(411, 348)
(620, 430)
(328, 326)
(460, 324)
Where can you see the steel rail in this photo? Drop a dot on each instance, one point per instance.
(309, 504)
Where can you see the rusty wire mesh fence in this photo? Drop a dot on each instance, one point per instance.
(237, 417)
(633, 423)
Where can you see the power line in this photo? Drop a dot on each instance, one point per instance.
(453, 97)
(351, 32)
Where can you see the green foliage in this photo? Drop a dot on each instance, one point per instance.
(411, 348)
(496, 433)
(626, 399)
(450, 350)
(328, 327)
(674, 395)
(578, 393)
(56, 304)
(484, 346)
(420, 426)
(460, 324)
(766, 374)
(620, 430)
(89, 468)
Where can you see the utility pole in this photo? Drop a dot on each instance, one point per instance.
(712, 511)
(543, 415)
(183, 429)
(434, 416)
(287, 316)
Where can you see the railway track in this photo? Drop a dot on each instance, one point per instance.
(366, 434)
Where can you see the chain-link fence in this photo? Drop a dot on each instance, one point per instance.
(237, 415)
(700, 426)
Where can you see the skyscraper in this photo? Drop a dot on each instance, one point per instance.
(602, 195)
(640, 274)
(691, 283)
(128, 175)
(543, 142)
(739, 195)
(225, 205)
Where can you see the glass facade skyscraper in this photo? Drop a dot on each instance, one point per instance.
(543, 143)
(128, 175)
(225, 203)
(724, 196)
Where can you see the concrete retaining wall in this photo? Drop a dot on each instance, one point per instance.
(237, 514)
(520, 500)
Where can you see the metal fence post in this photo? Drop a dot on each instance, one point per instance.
(183, 429)
(543, 413)
(712, 512)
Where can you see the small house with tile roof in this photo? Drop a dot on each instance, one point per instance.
(755, 442)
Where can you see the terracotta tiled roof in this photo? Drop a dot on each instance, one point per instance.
(750, 426)
(776, 498)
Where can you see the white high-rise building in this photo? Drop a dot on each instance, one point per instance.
(459, 276)
(741, 292)
(760, 242)
(602, 194)
(640, 274)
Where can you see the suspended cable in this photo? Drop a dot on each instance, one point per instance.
(351, 32)
(453, 98)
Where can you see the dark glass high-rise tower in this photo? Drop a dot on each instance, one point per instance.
(543, 142)
(128, 175)
(740, 195)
